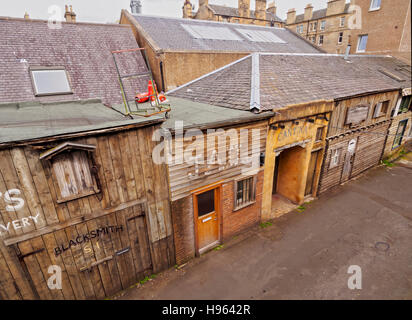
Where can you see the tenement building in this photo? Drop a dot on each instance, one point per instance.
(262, 15)
(327, 28)
(367, 26)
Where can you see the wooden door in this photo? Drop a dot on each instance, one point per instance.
(94, 267)
(206, 205)
(349, 158)
(311, 173)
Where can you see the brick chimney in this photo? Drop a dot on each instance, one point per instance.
(308, 12)
(260, 9)
(187, 9)
(272, 8)
(73, 14)
(244, 8)
(291, 16)
(26, 16)
(335, 7)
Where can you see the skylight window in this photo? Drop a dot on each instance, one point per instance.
(211, 33)
(260, 36)
(50, 81)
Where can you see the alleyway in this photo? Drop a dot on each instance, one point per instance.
(306, 255)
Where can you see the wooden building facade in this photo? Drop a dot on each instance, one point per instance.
(93, 205)
(356, 136)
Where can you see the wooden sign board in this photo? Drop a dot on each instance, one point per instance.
(357, 114)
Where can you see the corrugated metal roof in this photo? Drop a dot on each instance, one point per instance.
(169, 34)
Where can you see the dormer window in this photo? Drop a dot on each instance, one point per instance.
(73, 171)
(50, 81)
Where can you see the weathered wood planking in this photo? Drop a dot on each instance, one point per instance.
(182, 183)
(134, 194)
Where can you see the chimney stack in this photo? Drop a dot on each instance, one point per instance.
(244, 8)
(308, 12)
(203, 3)
(187, 9)
(291, 16)
(136, 6)
(260, 9)
(26, 16)
(335, 7)
(272, 8)
(69, 15)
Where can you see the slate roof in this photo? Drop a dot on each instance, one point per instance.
(296, 78)
(234, 12)
(33, 120)
(168, 34)
(83, 49)
(318, 14)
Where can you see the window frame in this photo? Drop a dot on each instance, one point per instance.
(54, 68)
(340, 38)
(371, 8)
(322, 25)
(237, 207)
(95, 187)
(408, 107)
(399, 144)
(381, 113)
(321, 37)
(342, 22)
(359, 42)
(339, 156)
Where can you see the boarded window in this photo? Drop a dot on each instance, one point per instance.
(381, 109)
(72, 171)
(399, 134)
(245, 192)
(319, 134)
(335, 158)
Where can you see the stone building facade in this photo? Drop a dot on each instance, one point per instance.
(327, 28)
(367, 26)
(263, 15)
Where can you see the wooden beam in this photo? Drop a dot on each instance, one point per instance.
(72, 222)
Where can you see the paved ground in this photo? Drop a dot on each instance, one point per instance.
(367, 222)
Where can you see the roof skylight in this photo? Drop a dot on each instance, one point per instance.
(211, 33)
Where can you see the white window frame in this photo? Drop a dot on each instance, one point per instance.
(322, 25)
(335, 156)
(301, 28)
(372, 8)
(321, 37)
(342, 22)
(359, 41)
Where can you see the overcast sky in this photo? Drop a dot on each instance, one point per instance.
(109, 10)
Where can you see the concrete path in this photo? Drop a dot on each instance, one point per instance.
(306, 255)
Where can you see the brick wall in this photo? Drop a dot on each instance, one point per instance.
(236, 221)
(183, 228)
(368, 153)
(233, 222)
(83, 49)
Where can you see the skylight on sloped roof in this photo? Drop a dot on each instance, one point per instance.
(211, 33)
(260, 36)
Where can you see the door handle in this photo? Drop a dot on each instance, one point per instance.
(207, 219)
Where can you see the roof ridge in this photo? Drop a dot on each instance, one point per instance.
(204, 21)
(7, 18)
(209, 74)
